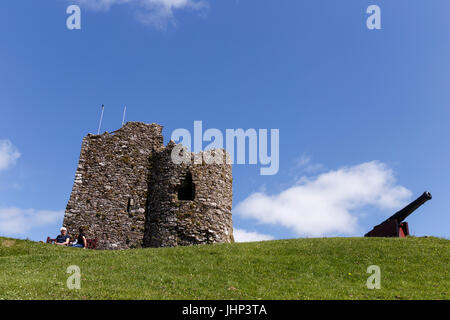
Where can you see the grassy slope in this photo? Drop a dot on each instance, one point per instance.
(333, 268)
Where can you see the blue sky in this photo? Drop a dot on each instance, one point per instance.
(363, 114)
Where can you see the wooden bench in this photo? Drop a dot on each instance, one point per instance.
(91, 243)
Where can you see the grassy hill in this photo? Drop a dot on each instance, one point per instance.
(332, 268)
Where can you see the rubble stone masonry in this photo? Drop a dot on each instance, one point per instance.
(129, 194)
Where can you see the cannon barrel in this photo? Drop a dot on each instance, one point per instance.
(410, 208)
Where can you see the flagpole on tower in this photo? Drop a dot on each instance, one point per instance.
(124, 112)
(101, 119)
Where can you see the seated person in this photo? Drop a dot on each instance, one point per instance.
(81, 239)
(63, 238)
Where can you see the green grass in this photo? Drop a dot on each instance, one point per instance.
(332, 268)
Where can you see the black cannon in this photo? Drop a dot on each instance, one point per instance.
(394, 226)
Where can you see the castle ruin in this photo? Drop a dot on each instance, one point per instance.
(128, 193)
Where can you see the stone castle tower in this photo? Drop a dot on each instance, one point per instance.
(129, 193)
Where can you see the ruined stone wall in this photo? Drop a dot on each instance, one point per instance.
(206, 218)
(109, 195)
(127, 193)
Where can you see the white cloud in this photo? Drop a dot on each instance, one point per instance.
(306, 165)
(15, 221)
(303, 160)
(8, 154)
(158, 13)
(328, 204)
(241, 235)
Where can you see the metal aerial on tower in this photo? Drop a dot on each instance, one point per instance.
(101, 119)
(123, 118)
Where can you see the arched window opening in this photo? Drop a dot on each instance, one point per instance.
(187, 189)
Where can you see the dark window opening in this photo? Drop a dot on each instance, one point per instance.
(187, 189)
(129, 205)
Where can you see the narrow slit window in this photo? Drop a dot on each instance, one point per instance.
(187, 189)
(129, 205)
